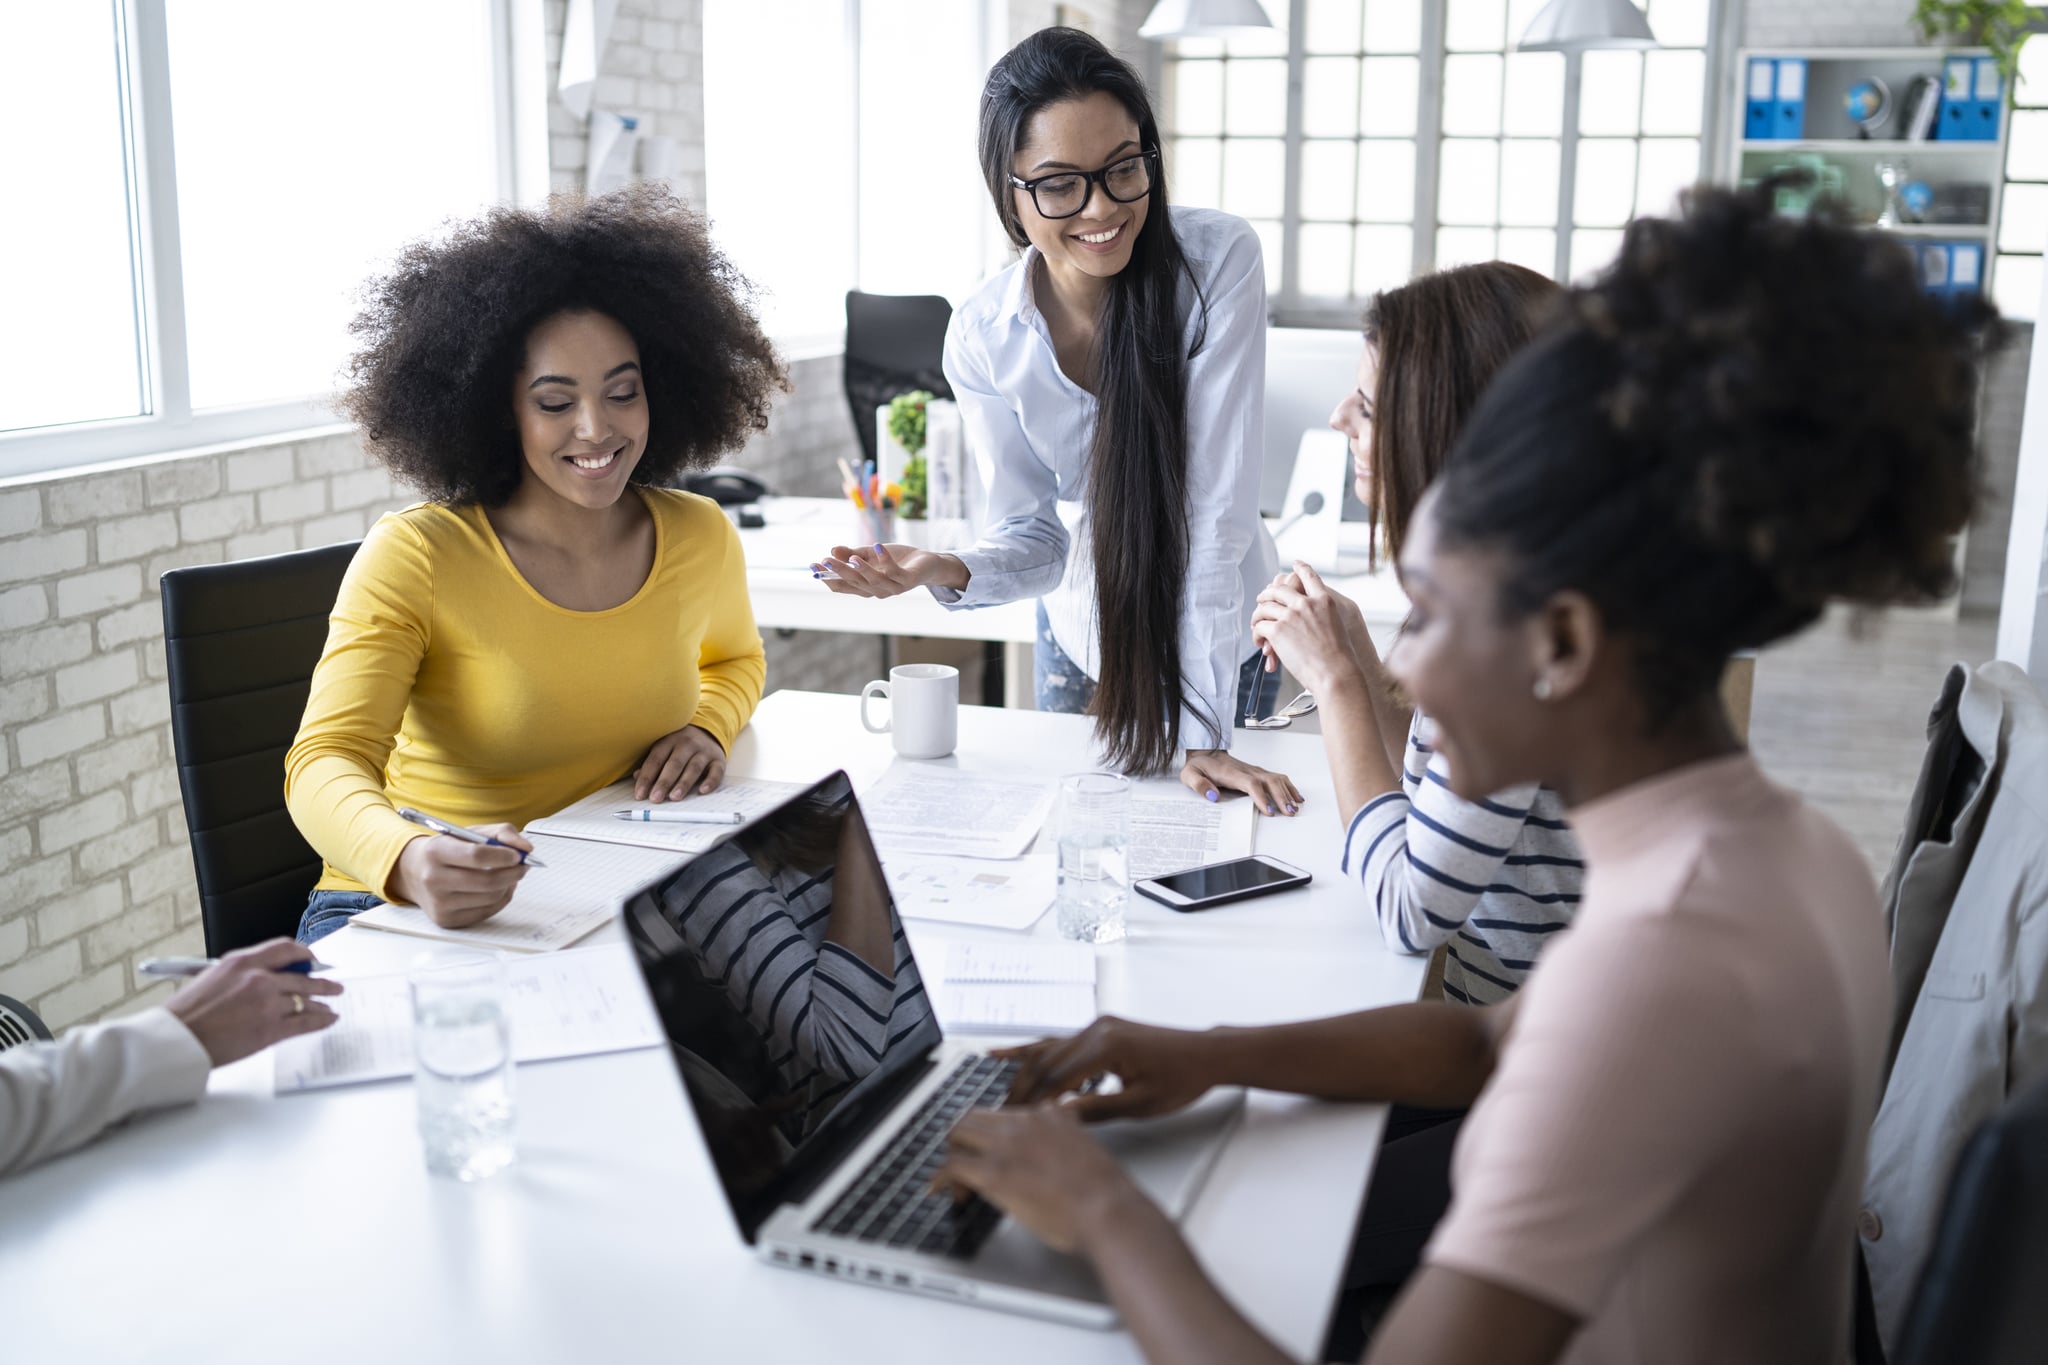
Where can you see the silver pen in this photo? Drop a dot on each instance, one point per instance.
(468, 836)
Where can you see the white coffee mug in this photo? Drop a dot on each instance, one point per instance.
(924, 709)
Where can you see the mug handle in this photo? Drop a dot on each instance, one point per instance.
(876, 688)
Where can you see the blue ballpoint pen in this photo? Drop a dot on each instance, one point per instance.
(193, 966)
(468, 836)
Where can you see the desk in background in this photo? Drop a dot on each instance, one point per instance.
(304, 1228)
(799, 530)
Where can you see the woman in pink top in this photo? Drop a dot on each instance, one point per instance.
(1744, 419)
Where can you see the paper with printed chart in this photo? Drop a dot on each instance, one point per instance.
(576, 893)
(923, 808)
(1176, 829)
(592, 817)
(572, 1004)
(1006, 894)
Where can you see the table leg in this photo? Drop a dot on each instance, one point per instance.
(1017, 693)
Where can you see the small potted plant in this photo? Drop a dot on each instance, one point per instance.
(1999, 25)
(907, 429)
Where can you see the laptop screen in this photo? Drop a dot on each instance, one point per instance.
(786, 986)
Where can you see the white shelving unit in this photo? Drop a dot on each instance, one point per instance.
(1829, 73)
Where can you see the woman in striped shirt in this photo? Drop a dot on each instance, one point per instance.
(1493, 879)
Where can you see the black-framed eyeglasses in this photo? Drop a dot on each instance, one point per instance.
(1066, 193)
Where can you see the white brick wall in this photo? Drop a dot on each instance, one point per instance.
(1827, 23)
(94, 867)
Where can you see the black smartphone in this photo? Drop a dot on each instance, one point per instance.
(1198, 888)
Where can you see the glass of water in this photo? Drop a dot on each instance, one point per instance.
(1094, 828)
(462, 1062)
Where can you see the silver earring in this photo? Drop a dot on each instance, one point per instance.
(1542, 689)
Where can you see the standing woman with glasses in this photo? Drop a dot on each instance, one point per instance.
(1119, 366)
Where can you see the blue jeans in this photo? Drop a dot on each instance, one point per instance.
(1060, 685)
(327, 911)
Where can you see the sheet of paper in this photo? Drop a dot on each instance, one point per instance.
(1029, 987)
(993, 1007)
(592, 818)
(1000, 895)
(1032, 962)
(1177, 829)
(921, 808)
(570, 1004)
(579, 889)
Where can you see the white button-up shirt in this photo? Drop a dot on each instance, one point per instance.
(1031, 427)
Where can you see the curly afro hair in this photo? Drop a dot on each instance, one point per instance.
(1744, 418)
(443, 333)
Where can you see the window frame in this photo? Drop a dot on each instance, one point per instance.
(169, 424)
(1287, 306)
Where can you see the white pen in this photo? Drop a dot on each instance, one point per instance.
(658, 815)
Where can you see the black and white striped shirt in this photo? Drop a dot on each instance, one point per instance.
(827, 1015)
(1495, 879)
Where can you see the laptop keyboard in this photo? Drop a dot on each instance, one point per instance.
(890, 1203)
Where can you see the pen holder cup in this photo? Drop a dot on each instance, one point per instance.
(872, 526)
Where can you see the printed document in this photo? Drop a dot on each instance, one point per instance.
(1172, 830)
(577, 892)
(1009, 894)
(1033, 987)
(922, 808)
(592, 818)
(570, 1004)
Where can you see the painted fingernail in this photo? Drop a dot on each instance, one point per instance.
(1211, 794)
(1269, 810)
(1290, 808)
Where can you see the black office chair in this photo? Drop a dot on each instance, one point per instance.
(19, 1024)
(240, 643)
(894, 343)
(1980, 1296)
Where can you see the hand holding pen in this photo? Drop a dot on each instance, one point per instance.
(464, 878)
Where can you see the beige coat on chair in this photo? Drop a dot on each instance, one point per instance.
(1967, 903)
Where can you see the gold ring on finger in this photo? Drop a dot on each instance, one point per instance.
(298, 1003)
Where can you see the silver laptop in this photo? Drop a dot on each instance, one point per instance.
(801, 1028)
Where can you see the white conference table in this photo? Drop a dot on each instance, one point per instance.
(259, 1228)
(799, 530)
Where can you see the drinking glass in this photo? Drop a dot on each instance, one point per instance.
(1094, 830)
(462, 1063)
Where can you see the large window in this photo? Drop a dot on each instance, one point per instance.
(1369, 140)
(2023, 206)
(199, 189)
(869, 179)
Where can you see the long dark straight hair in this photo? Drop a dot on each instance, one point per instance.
(1138, 458)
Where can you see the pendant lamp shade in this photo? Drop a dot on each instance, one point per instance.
(1204, 19)
(1576, 25)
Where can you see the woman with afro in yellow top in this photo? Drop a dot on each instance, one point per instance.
(553, 617)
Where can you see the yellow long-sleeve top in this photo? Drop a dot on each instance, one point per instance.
(451, 685)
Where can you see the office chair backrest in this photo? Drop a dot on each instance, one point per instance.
(1980, 1296)
(240, 644)
(19, 1024)
(894, 344)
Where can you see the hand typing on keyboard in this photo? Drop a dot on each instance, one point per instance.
(893, 1202)
(1115, 1069)
(1042, 1168)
